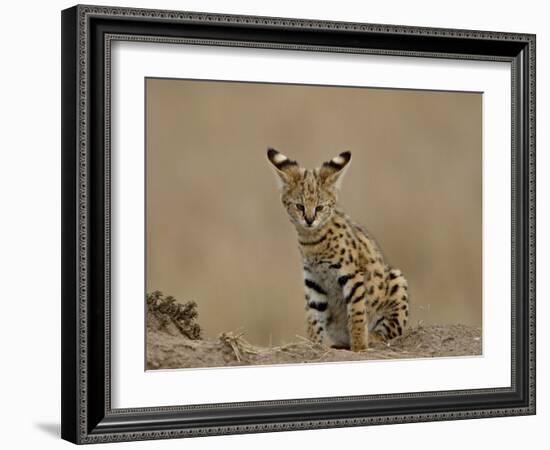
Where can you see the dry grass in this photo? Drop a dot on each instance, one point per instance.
(167, 315)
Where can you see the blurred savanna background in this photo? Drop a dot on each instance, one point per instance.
(218, 234)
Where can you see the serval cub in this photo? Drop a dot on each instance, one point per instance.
(351, 294)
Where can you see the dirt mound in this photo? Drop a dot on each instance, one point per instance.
(174, 340)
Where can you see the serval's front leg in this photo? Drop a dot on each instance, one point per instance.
(316, 310)
(353, 286)
(375, 284)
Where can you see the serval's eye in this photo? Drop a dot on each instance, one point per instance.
(300, 207)
(319, 208)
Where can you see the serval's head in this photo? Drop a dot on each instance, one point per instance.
(309, 196)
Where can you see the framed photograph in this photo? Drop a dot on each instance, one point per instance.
(280, 224)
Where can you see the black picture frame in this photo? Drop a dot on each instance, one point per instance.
(87, 415)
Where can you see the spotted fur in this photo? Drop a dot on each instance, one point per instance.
(351, 294)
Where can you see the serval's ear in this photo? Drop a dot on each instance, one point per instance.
(285, 168)
(332, 172)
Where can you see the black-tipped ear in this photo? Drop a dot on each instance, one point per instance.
(331, 172)
(285, 168)
(280, 161)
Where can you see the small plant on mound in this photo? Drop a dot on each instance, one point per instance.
(166, 311)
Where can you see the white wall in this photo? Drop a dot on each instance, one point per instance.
(30, 220)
